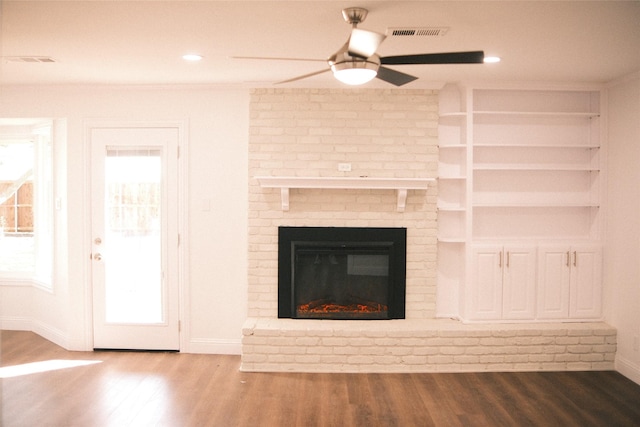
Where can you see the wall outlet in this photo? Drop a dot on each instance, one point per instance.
(344, 167)
(636, 343)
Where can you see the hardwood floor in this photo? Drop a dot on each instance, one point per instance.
(171, 389)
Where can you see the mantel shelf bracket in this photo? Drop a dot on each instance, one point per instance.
(400, 185)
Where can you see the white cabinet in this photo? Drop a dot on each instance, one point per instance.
(520, 166)
(570, 282)
(504, 283)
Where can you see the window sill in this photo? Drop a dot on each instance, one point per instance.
(38, 283)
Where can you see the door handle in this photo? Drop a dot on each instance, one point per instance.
(97, 257)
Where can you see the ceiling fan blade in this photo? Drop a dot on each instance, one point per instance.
(471, 57)
(303, 76)
(272, 58)
(394, 77)
(364, 43)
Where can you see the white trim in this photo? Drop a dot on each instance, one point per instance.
(214, 346)
(15, 281)
(87, 309)
(628, 369)
(50, 333)
(43, 285)
(21, 323)
(15, 323)
(533, 85)
(184, 294)
(624, 79)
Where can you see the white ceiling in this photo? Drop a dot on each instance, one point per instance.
(141, 42)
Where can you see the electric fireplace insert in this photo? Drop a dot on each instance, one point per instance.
(341, 273)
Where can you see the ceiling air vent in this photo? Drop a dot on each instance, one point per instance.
(422, 32)
(29, 59)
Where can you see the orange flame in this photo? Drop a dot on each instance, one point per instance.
(341, 308)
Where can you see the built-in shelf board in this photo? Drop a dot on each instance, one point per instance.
(400, 185)
(538, 146)
(586, 114)
(451, 239)
(531, 167)
(537, 205)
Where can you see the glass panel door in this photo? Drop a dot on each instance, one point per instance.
(134, 216)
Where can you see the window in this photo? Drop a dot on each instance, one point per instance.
(26, 211)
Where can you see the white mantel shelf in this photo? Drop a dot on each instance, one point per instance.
(401, 185)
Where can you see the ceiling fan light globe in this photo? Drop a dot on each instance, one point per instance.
(354, 72)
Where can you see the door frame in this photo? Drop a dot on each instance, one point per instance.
(182, 185)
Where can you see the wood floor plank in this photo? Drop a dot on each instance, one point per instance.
(200, 390)
(438, 406)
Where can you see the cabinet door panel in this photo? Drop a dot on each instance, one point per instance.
(554, 269)
(485, 299)
(586, 282)
(519, 283)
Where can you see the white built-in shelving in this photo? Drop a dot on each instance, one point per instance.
(517, 167)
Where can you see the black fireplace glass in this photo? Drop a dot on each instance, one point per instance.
(341, 273)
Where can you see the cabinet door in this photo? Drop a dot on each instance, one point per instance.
(519, 282)
(586, 282)
(484, 297)
(554, 268)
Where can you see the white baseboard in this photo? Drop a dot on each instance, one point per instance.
(628, 369)
(58, 337)
(50, 333)
(15, 323)
(214, 346)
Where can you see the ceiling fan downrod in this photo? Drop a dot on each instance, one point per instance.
(354, 15)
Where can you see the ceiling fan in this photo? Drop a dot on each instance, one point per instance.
(357, 63)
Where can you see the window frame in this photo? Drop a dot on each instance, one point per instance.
(41, 133)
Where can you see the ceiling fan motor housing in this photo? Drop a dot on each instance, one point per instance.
(358, 63)
(342, 60)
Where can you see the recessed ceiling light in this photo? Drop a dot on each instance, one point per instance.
(491, 59)
(192, 57)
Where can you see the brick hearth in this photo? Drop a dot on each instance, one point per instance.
(424, 346)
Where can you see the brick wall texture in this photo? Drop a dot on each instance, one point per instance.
(425, 346)
(307, 132)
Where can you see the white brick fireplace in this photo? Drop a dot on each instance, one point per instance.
(381, 134)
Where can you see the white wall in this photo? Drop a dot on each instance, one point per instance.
(217, 176)
(622, 234)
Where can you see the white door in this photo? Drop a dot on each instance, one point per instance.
(134, 211)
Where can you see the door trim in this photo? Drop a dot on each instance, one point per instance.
(183, 293)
